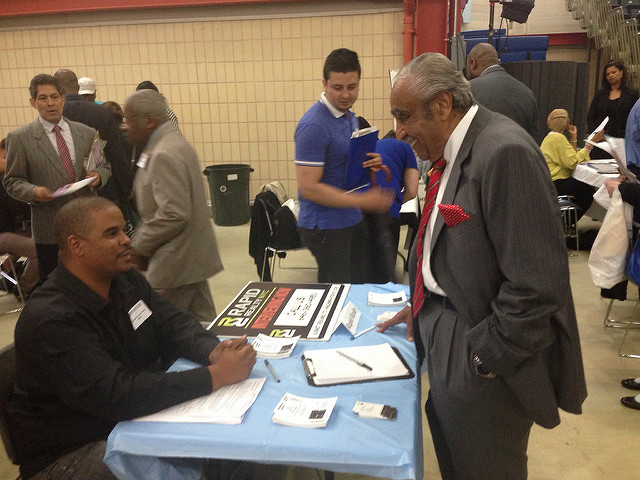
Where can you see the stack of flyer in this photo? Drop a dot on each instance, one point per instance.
(392, 299)
(297, 411)
(272, 347)
(228, 405)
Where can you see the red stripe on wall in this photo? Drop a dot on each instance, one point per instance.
(16, 8)
(556, 39)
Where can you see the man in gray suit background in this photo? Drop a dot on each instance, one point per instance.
(175, 233)
(494, 88)
(43, 156)
(492, 307)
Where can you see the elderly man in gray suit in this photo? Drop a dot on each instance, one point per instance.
(43, 156)
(492, 308)
(175, 233)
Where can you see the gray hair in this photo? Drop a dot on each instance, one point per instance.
(147, 103)
(431, 74)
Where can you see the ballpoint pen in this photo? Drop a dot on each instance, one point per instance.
(356, 335)
(362, 364)
(273, 372)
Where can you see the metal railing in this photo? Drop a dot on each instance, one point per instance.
(616, 35)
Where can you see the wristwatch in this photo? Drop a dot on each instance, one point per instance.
(480, 369)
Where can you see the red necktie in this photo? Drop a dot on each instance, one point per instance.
(432, 192)
(65, 156)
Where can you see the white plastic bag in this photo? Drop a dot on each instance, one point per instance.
(610, 250)
(602, 198)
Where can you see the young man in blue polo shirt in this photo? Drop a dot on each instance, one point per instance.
(330, 220)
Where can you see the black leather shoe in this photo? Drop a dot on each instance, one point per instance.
(631, 384)
(630, 402)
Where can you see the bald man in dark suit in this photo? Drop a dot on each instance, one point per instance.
(494, 88)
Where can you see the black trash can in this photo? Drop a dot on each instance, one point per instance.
(229, 189)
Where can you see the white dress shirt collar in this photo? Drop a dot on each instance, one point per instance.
(48, 126)
(451, 150)
(334, 111)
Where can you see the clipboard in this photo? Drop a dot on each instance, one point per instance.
(387, 363)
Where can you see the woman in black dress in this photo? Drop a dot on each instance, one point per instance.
(614, 100)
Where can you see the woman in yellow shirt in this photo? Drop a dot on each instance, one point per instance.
(563, 156)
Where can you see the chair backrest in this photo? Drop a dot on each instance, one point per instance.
(285, 230)
(7, 381)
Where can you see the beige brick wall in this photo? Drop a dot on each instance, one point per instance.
(238, 85)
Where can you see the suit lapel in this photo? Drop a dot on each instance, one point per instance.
(42, 141)
(477, 124)
(79, 145)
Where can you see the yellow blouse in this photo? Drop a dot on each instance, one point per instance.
(560, 156)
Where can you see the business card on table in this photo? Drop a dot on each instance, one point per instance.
(273, 347)
(387, 299)
(375, 410)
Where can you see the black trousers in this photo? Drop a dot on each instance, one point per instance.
(582, 192)
(47, 260)
(343, 255)
(384, 232)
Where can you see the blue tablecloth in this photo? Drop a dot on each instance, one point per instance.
(383, 448)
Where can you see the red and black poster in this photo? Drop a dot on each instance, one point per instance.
(283, 310)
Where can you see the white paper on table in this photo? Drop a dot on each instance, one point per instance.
(226, 405)
(387, 299)
(72, 187)
(383, 317)
(615, 147)
(297, 411)
(272, 347)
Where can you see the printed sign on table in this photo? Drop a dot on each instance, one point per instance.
(282, 310)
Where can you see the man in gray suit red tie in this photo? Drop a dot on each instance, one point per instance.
(43, 156)
(492, 312)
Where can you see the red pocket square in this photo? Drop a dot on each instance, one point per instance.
(452, 214)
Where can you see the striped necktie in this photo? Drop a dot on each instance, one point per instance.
(430, 200)
(65, 156)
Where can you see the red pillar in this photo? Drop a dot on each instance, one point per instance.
(432, 19)
(409, 29)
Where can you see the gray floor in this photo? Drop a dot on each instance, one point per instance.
(601, 444)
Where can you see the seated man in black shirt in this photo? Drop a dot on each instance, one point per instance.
(92, 345)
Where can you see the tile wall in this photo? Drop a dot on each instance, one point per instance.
(238, 85)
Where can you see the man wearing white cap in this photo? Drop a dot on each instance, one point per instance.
(87, 89)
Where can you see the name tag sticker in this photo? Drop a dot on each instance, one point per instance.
(138, 314)
(142, 161)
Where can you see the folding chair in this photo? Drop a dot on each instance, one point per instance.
(10, 278)
(283, 237)
(569, 213)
